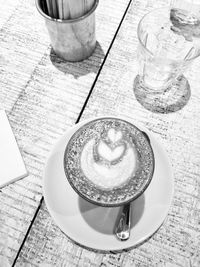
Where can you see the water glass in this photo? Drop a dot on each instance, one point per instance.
(165, 51)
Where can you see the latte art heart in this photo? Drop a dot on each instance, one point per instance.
(106, 152)
(109, 162)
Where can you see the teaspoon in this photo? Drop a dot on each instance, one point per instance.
(123, 225)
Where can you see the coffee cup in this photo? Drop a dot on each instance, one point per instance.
(109, 161)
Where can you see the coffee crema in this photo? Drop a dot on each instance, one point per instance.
(108, 161)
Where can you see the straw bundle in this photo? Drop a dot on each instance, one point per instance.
(68, 9)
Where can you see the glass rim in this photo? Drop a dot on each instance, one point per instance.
(142, 44)
(68, 21)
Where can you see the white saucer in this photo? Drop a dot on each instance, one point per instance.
(92, 226)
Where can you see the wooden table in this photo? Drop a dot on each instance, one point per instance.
(44, 96)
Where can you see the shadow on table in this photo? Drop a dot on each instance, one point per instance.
(103, 219)
(78, 69)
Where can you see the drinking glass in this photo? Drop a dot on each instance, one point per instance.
(166, 48)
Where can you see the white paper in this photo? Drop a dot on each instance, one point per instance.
(12, 166)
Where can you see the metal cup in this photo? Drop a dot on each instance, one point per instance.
(72, 39)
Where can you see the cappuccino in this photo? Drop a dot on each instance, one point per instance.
(107, 155)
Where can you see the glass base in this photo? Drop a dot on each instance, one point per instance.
(171, 99)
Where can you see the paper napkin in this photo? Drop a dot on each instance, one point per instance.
(12, 166)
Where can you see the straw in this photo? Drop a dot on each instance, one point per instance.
(49, 8)
(60, 9)
(76, 8)
(88, 5)
(54, 7)
(66, 14)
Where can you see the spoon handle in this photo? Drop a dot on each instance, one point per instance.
(122, 230)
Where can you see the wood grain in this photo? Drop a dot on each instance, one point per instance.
(43, 97)
(177, 242)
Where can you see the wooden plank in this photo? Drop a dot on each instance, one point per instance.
(7, 9)
(42, 96)
(177, 242)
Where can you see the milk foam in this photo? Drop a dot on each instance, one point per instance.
(116, 161)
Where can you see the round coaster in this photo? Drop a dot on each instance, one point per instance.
(172, 99)
(93, 226)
